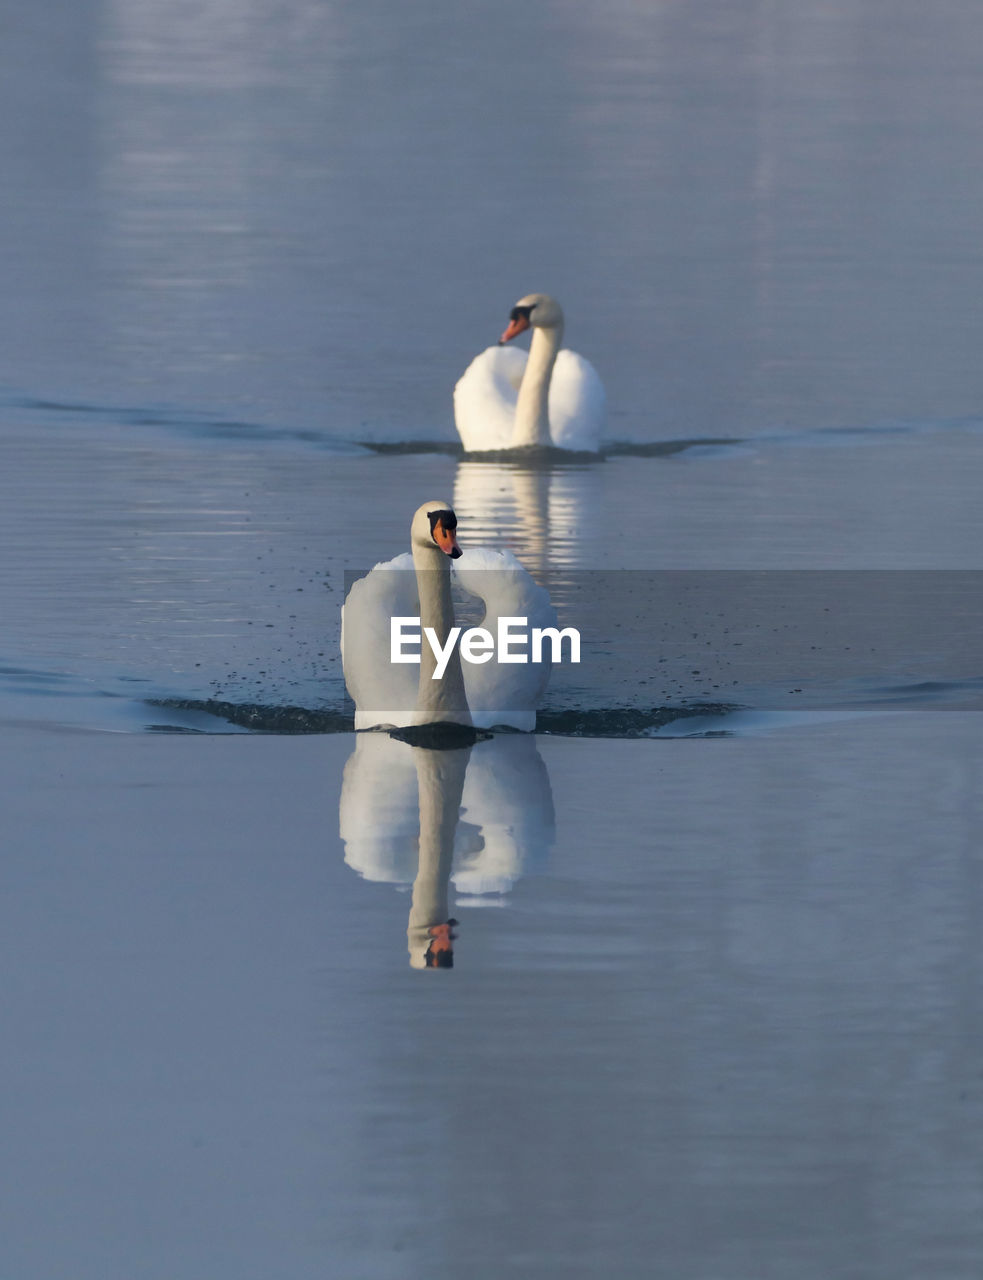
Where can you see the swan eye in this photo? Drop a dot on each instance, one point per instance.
(520, 313)
(445, 518)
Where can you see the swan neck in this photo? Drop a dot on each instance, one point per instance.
(532, 423)
(440, 701)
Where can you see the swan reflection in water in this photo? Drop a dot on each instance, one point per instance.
(475, 817)
(547, 515)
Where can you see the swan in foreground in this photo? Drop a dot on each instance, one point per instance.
(418, 585)
(508, 400)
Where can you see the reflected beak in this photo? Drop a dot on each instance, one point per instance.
(440, 953)
(443, 935)
(516, 327)
(446, 539)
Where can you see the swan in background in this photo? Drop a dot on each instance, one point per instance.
(508, 400)
(419, 585)
(405, 819)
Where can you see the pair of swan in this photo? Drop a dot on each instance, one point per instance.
(505, 400)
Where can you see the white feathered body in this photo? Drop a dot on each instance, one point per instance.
(486, 394)
(385, 693)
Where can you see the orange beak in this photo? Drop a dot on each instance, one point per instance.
(446, 539)
(516, 326)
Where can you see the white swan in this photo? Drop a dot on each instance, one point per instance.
(508, 400)
(419, 585)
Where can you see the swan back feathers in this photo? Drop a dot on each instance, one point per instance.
(385, 693)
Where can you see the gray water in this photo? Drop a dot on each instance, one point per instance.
(715, 1005)
(312, 215)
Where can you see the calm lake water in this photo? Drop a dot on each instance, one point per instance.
(715, 1004)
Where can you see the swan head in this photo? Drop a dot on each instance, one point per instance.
(537, 309)
(435, 525)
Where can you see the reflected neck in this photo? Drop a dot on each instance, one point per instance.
(532, 422)
(440, 781)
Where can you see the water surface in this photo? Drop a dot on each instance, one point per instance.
(729, 1026)
(724, 1020)
(313, 215)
